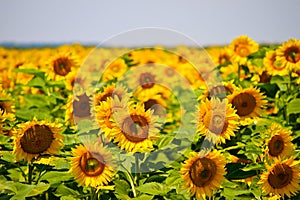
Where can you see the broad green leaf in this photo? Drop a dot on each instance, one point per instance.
(21, 191)
(233, 193)
(36, 82)
(55, 177)
(31, 71)
(143, 197)
(122, 188)
(254, 167)
(63, 190)
(293, 107)
(235, 171)
(153, 188)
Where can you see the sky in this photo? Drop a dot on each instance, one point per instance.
(210, 22)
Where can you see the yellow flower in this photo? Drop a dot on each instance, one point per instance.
(91, 165)
(62, 64)
(219, 91)
(203, 174)
(281, 178)
(217, 120)
(104, 113)
(289, 54)
(135, 129)
(273, 66)
(220, 56)
(242, 47)
(279, 143)
(249, 103)
(35, 138)
(116, 69)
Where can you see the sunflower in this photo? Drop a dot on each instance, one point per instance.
(91, 165)
(273, 66)
(281, 178)
(203, 174)
(6, 105)
(78, 108)
(116, 69)
(136, 129)
(242, 47)
(220, 91)
(217, 120)
(104, 112)
(110, 90)
(35, 138)
(279, 143)
(249, 103)
(221, 56)
(62, 64)
(289, 54)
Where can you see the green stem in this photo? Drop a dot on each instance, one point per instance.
(94, 194)
(130, 179)
(137, 169)
(30, 172)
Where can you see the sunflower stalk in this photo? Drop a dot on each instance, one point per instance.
(30, 172)
(137, 169)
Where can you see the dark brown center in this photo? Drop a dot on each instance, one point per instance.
(37, 139)
(147, 80)
(203, 171)
(276, 145)
(81, 107)
(244, 103)
(135, 128)
(62, 66)
(280, 176)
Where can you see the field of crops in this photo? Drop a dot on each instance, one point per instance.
(80, 122)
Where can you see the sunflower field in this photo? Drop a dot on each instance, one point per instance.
(87, 122)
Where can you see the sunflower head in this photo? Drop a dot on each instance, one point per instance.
(91, 165)
(203, 174)
(217, 120)
(281, 178)
(116, 69)
(241, 47)
(35, 138)
(289, 54)
(135, 129)
(62, 64)
(249, 104)
(273, 66)
(279, 144)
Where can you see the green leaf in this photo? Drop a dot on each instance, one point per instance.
(235, 171)
(122, 188)
(31, 71)
(153, 188)
(21, 191)
(63, 190)
(254, 167)
(56, 177)
(36, 82)
(293, 107)
(232, 193)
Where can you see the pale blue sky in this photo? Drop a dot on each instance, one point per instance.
(208, 22)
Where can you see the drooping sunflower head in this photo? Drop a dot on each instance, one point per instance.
(289, 54)
(281, 178)
(279, 144)
(203, 175)
(91, 165)
(249, 104)
(36, 138)
(241, 47)
(217, 120)
(136, 129)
